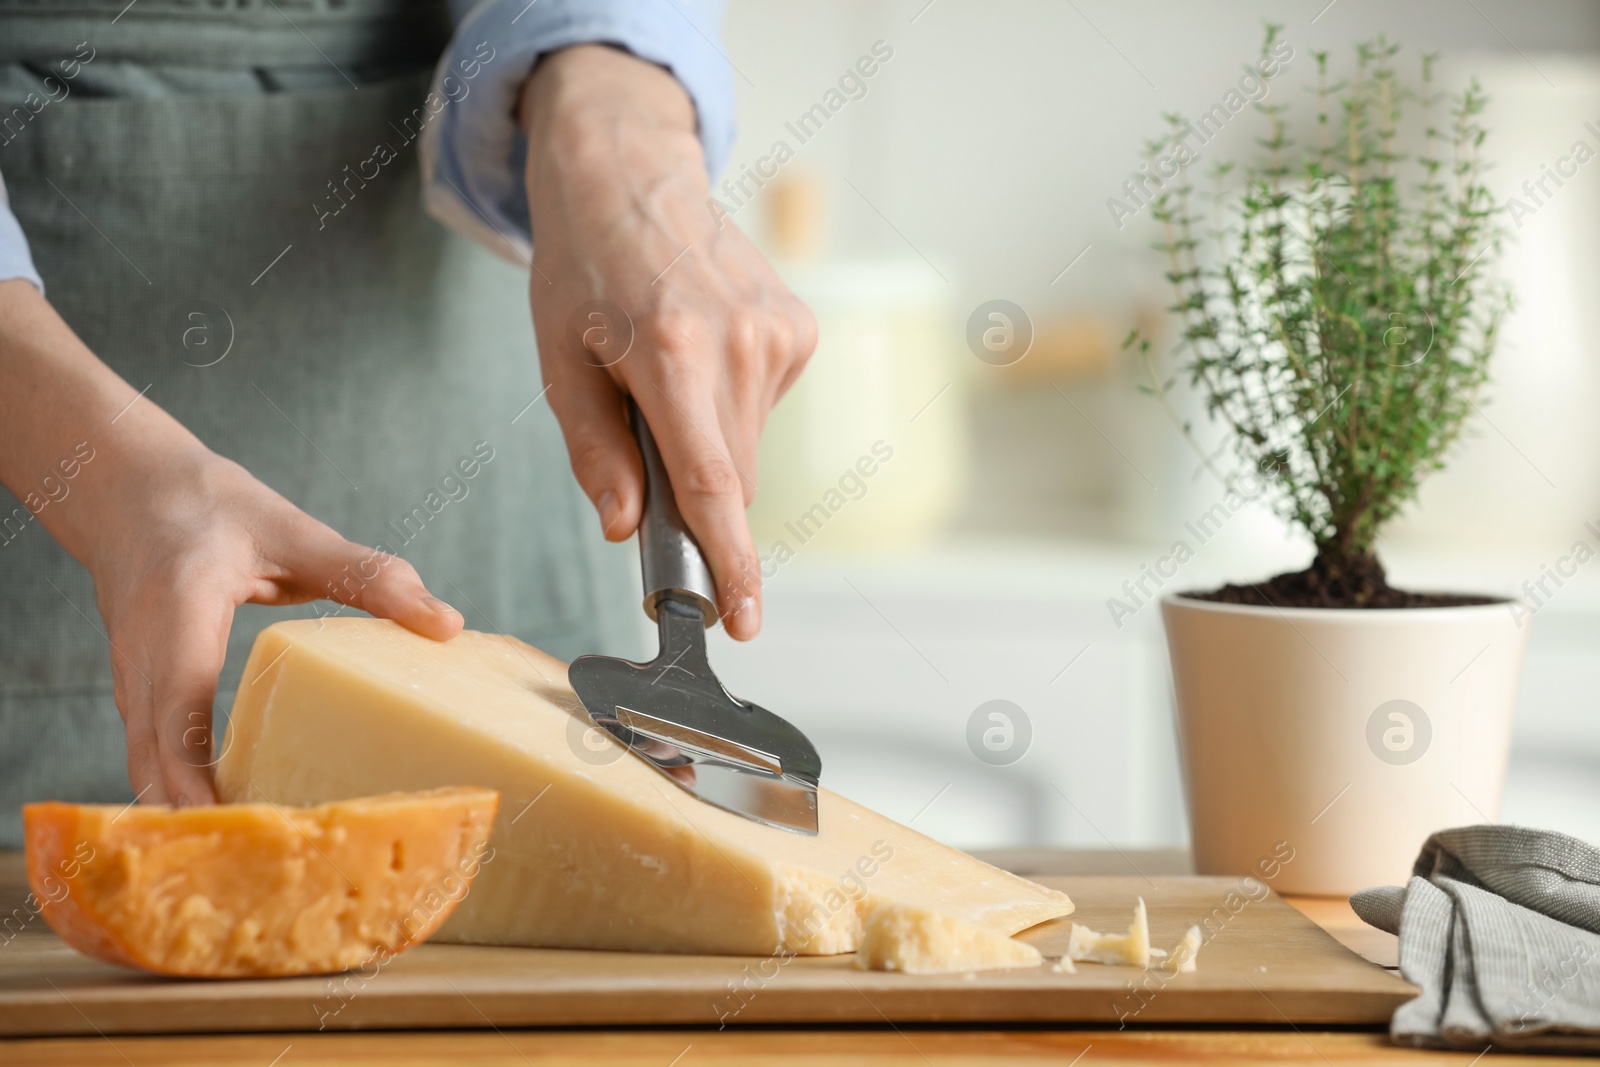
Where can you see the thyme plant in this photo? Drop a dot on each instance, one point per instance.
(1337, 311)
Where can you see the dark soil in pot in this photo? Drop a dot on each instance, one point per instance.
(1336, 582)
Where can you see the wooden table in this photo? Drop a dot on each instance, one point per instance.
(904, 1046)
(747, 1048)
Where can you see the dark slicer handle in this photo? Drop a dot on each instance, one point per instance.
(669, 556)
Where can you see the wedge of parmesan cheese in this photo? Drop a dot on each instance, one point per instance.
(256, 890)
(1131, 949)
(592, 847)
(904, 937)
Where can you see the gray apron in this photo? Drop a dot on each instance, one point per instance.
(179, 207)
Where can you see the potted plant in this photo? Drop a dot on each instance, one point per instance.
(1338, 313)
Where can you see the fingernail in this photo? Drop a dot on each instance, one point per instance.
(746, 613)
(437, 605)
(607, 504)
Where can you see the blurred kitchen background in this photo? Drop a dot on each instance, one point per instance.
(974, 563)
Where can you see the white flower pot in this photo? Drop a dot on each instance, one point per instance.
(1346, 736)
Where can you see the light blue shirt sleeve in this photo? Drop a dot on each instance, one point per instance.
(473, 151)
(15, 260)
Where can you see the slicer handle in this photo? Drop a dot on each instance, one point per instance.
(668, 554)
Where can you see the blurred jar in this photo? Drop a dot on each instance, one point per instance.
(869, 449)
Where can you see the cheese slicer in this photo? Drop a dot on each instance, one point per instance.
(672, 712)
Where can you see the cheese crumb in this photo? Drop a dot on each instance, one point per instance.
(1184, 952)
(1131, 949)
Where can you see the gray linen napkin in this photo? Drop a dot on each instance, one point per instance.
(1500, 928)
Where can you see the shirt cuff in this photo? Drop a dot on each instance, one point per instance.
(472, 152)
(15, 260)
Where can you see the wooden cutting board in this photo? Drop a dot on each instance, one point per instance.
(1264, 962)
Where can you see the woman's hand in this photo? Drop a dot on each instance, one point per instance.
(175, 537)
(621, 212)
(200, 536)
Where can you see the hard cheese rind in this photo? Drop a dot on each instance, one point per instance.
(592, 848)
(253, 890)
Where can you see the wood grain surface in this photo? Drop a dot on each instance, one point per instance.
(902, 1045)
(882, 1047)
(1333, 914)
(1264, 962)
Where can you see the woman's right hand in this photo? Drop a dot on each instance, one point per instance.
(175, 538)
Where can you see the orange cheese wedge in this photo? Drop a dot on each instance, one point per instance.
(256, 890)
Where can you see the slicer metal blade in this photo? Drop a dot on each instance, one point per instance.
(672, 712)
